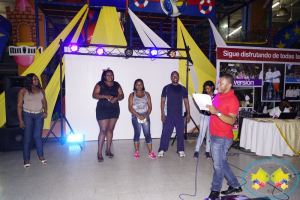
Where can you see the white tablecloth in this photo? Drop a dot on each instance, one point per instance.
(263, 138)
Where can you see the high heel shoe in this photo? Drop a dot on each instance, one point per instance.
(100, 158)
(109, 154)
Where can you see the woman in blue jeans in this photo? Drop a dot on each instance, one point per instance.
(32, 109)
(139, 104)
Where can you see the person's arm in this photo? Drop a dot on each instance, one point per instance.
(228, 119)
(44, 103)
(187, 107)
(97, 95)
(130, 108)
(119, 97)
(20, 106)
(149, 105)
(162, 108)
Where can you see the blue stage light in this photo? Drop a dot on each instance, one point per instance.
(100, 51)
(153, 52)
(74, 48)
(75, 138)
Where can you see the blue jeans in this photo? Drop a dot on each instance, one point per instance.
(219, 149)
(33, 129)
(204, 128)
(137, 129)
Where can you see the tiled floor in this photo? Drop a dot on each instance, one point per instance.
(74, 174)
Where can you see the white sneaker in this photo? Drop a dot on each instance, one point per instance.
(160, 154)
(181, 153)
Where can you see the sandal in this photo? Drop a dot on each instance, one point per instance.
(109, 154)
(44, 162)
(100, 158)
(27, 166)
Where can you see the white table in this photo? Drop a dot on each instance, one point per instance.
(263, 138)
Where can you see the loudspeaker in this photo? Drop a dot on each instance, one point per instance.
(12, 85)
(11, 139)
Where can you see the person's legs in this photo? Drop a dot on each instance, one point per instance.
(168, 127)
(137, 131)
(147, 134)
(28, 121)
(111, 127)
(228, 174)
(203, 128)
(218, 155)
(179, 125)
(207, 149)
(37, 134)
(103, 124)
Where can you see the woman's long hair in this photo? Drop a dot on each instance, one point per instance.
(136, 82)
(208, 83)
(104, 73)
(29, 82)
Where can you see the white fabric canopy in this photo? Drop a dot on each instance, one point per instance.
(219, 40)
(148, 37)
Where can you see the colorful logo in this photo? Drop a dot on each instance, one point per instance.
(270, 178)
(173, 8)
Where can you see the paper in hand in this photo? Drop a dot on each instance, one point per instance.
(202, 100)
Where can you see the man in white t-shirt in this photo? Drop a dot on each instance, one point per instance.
(268, 81)
(284, 106)
(276, 81)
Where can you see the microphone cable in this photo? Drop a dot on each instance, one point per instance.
(196, 172)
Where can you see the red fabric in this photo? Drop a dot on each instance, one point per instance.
(276, 87)
(225, 103)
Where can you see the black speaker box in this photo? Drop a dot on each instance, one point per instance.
(11, 139)
(12, 85)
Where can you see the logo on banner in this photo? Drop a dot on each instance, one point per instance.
(270, 175)
(140, 5)
(247, 82)
(173, 8)
(209, 4)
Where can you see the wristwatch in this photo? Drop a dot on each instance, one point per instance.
(219, 114)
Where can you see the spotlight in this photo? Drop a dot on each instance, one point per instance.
(100, 51)
(153, 52)
(74, 48)
(75, 138)
(128, 52)
(171, 53)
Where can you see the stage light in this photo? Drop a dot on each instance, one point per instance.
(74, 48)
(128, 52)
(75, 138)
(153, 52)
(100, 51)
(171, 53)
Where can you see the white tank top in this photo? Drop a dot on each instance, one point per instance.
(33, 102)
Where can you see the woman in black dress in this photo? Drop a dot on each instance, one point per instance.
(109, 94)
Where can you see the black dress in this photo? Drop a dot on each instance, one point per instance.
(105, 109)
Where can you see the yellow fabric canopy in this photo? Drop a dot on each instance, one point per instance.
(204, 69)
(108, 29)
(42, 61)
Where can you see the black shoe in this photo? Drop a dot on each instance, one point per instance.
(207, 155)
(196, 154)
(214, 195)
(232, 190)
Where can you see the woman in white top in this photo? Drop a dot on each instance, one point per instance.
(32, 109)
